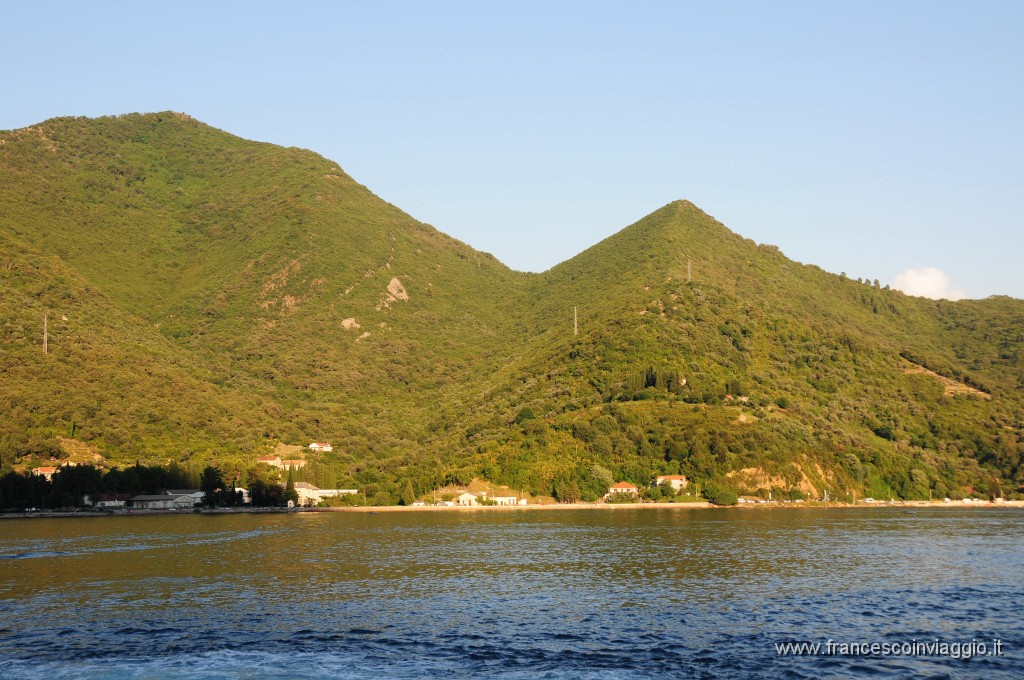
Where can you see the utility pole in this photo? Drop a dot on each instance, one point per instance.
(575, 322)
(45, 338)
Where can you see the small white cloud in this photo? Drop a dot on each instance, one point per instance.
(927, 282)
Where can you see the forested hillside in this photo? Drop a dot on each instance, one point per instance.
(207, 298)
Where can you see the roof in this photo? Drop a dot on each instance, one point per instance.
(160, 497)
(306, 485)
(683, 477)
(319, 444)
(623, 485)
(181, 492)
(45, 470)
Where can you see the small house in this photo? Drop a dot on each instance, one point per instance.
(45, 472)
(677, 482)
(308, 494)
(466, 500)
(320, 446)
(623, 487)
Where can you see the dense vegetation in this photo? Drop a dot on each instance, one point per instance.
(207, 297)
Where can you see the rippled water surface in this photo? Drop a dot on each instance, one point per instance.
(623, 593)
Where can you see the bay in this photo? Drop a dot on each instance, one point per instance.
(558, 594)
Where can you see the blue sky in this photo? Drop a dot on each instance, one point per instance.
(870, 138)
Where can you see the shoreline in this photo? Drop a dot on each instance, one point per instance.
(703, 505)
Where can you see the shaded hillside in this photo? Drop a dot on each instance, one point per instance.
(222, 295)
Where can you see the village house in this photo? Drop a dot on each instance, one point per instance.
(312, 495)
(276, 461)
(623, 487)
(466, 500)
(45, 472)
(162, 501)
(196, 494)
(677, 482)
(505, 500)
(48, 471)
(319, 446)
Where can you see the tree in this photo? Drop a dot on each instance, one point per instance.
(265, 494)
(525, 413)
(408, 495)
(211, 482)
(76, 481)
(567, 491)
(290, 494)
(720, 495)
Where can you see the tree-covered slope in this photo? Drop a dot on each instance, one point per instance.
(269, 266)
(222, 295)
(785, 366)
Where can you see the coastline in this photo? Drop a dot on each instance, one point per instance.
(775, 505)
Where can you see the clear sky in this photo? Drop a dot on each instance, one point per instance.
(865, 137)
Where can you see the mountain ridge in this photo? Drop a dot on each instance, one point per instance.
(295, 304)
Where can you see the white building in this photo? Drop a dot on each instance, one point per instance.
(312, 495)
(320, 446)
(162, 501)
(466, 500)
(196, 494)
(678, 482)
(506, 500)
(46, 471)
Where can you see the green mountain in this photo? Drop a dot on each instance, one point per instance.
(207, 297)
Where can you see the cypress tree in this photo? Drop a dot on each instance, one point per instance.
(290, 494)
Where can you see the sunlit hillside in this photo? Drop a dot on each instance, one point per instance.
(207, 298)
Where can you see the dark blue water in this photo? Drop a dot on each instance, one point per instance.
(561, 594)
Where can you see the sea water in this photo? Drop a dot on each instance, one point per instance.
(518, 594)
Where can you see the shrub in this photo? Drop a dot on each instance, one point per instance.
(720, 495)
